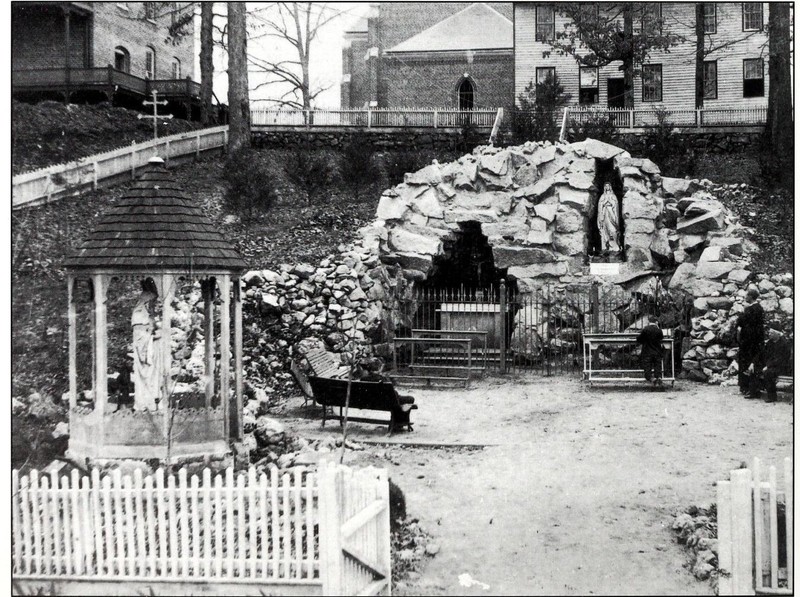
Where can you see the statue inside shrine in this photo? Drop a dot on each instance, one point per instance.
(608, 222)
(146, 350)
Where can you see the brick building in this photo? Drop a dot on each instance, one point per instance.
(117, 50)
(430, 54)
(735, 67)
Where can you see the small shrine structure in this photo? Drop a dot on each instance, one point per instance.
(158, 238)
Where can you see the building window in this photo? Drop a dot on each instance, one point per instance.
(149, 63)
(466, 95)
(710, 79)
(176, 69)
(752, 16)
(122, 59)
(709, 17)
(545, 23)
(651, 83)
(543, 73)
(754, 77)
(150, 11)
(589, 87)
(651, 17)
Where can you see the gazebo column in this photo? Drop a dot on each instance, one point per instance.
(237, 355)
(166, 292)
(208, 285)
(101, 347)
(225, 351)
(73, 343)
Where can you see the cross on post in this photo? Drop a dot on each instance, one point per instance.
(155, 116)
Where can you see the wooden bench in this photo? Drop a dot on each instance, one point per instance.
(323, 364)
(592, 341)
(364, 395)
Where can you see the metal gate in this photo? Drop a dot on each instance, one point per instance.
(539, 331)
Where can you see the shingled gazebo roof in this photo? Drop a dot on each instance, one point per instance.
(155, 226)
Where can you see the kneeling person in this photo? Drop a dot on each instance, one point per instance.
(651, 338)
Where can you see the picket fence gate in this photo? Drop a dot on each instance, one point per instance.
(756, 547)
(297, 532)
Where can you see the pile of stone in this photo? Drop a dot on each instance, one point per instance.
(696, 528)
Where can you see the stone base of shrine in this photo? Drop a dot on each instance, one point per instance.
(196, 434)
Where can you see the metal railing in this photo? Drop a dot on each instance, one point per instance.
(375, 118)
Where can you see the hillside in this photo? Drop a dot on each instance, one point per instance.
(52, 132)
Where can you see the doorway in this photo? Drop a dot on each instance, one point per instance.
(466, 95)
(616, 93)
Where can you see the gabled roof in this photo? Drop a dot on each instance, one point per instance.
(157, 227)
(477, 27)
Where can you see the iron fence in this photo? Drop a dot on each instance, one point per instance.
(539, 330)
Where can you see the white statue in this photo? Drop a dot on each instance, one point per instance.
(146, 353)
(608, 221)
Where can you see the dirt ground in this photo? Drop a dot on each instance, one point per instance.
(573, 489)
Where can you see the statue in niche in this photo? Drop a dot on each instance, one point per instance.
(146, 350)
(608, 222)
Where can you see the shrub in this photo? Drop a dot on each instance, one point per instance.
(669, 149)
(594, 126)
(397, 505)
(397, 163)
(310, 172)
(356, 167)
(536, 118)
(251, 186)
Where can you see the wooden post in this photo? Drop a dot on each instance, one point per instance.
(369, 118)
(237, 355)
(436, 119)
(742, 532)
(502, 326)
(225, 351)
(101, 347)
(133, 160)
(208, 287)
(166, 291)
(197, 147)
(788, 480)
(595, 308)
(384, 540)
(73, 343)
(94, 175)
(330, 529)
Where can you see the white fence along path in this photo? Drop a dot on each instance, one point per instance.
(756, 547)
(311, 532)
(54, 181)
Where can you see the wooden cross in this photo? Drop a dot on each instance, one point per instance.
(155, 103)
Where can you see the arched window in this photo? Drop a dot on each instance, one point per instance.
(466, 94)
(122, 59)
(176, 68)
(149, 63)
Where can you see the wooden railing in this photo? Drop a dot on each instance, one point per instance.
(59, 78)
(375, 118)
(327, 531)
(756, 544)
(683, 118)
(31, 188)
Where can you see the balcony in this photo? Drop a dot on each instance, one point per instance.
(104, 79)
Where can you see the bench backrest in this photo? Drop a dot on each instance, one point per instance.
(375, 395)
(323, 363)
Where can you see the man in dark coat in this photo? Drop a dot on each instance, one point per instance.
(751, 344)
(778, 361)
(651, 338)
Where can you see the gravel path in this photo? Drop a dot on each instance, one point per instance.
(575, 491)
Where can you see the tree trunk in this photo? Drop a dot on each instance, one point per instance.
(206, 62)
(700, 55)
(627, 61)
(780, 126)
(238, 100)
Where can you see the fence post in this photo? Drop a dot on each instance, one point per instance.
(369, 118)
(503, 331)
(225, 141)
(698, 118)
(330, 529)
(94, 175)
(562, 135)
(742, 532)
(197, 147)
(384, 547)
(166, 154)
(435, 118)
(133, 160)
(595, 308)
(632, 119)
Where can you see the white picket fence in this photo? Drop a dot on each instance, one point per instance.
(752, 538)
(642, 118)
(282, 529)
(374, 118)
(30, 188)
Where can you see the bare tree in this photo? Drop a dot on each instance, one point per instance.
(298, 24)
(238, 98)
(602, 33)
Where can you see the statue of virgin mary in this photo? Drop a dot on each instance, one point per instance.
(146, 352)
(608, 221)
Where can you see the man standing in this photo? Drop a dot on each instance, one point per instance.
(751, 344)
(651, 338)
